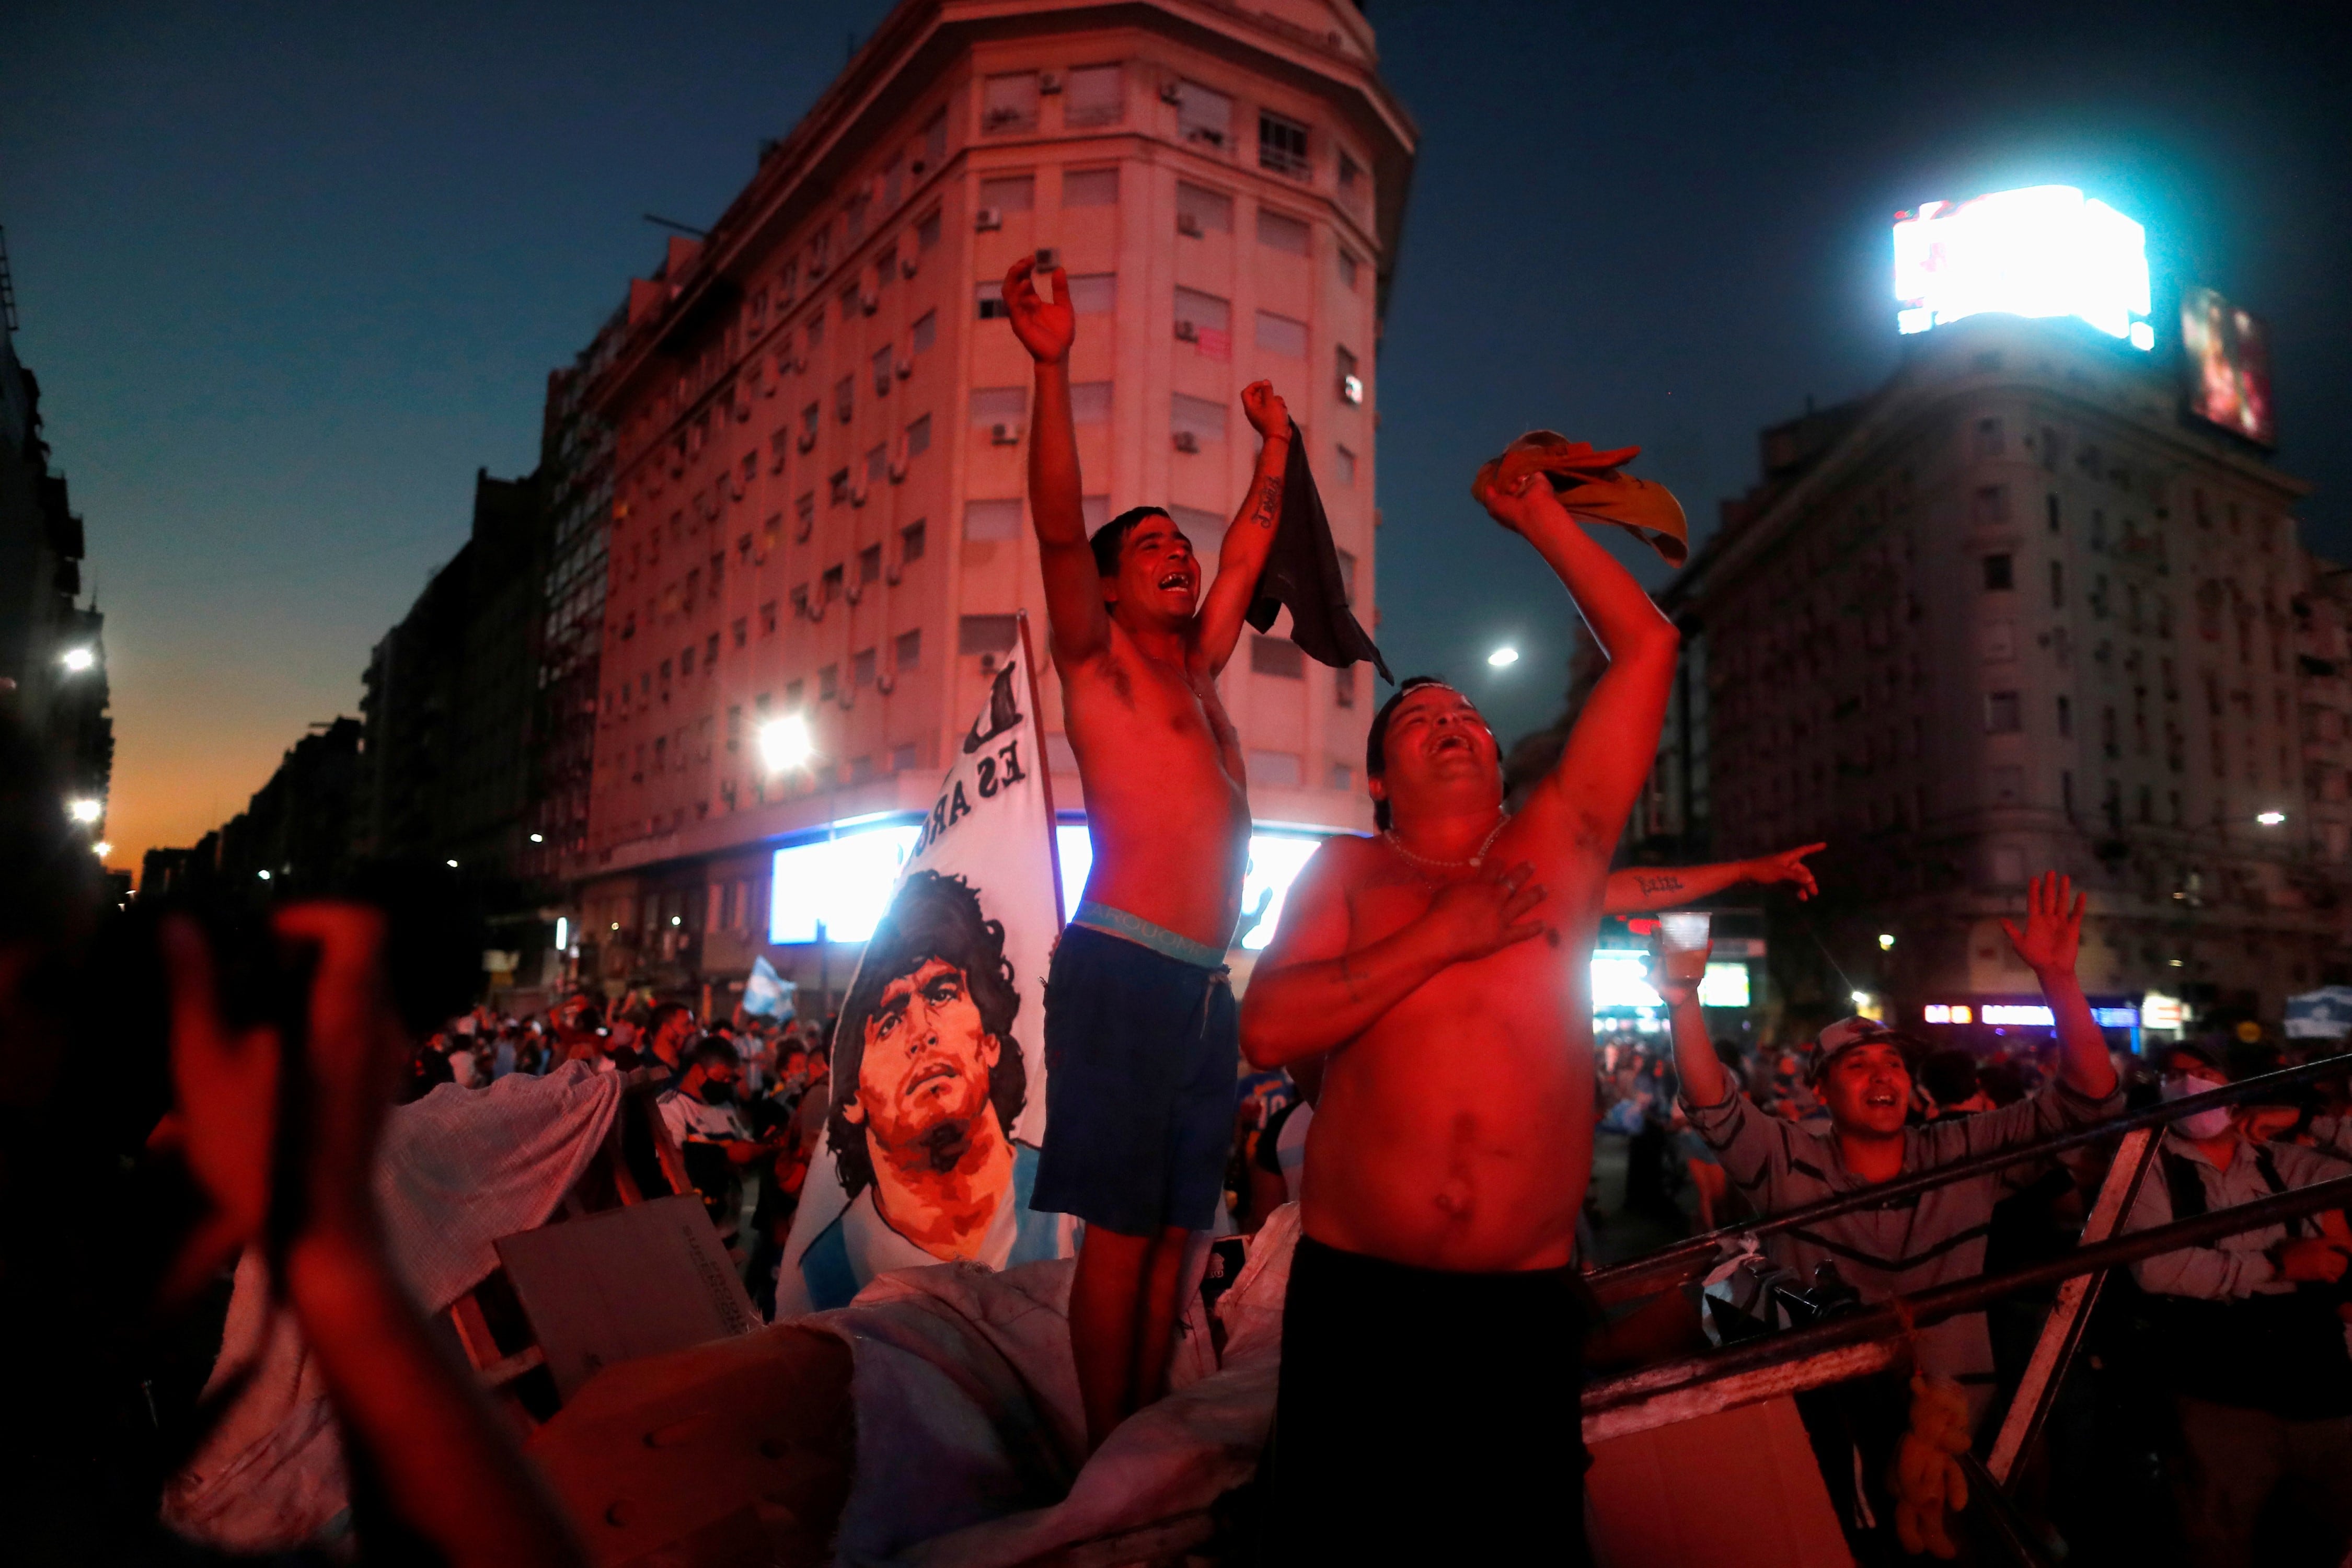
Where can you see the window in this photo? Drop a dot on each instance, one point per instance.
(927, 328)
(857, 223)
(1204, 115)
(845, 398)
(2001, 714)
(907, 652)
(1989, 439)
(768, 618)
(1276, 655)
(1010, 192)
(1347, 575)
(1343, 465)
(829, 586)
(992, 521)
(1347, 265)
(1090, 402)
(926, 230)
(1094, 511)
(902, 756)
(1205, 322)
(2051, 505)
(1352, 183)
(1094, 293)
(809, 419)
(869, 564)
(1991, 504)
(2065, 717)
(1009, 102)
(1094, 95)
(1090, 188)
(828, 683)
(1343, 686)
(1280, 770)
(986, 634)
(1201, 418)
(837, 488)
(1997, 572)
(1351, 386)
(935, 140)
(991, 296)
(877, 464)
(1203, 531)
(1280, 231)
(742, 631)
(804, 516)
(1199, 210)
(918, 437)
(816, 332)
(1282, 146)
(1281, 335)
(882, 358)
(862, 667)
(2057, 585)
(686, 660)
(910, 543)
(999, 405)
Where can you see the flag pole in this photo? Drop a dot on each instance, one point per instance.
(1044, 766)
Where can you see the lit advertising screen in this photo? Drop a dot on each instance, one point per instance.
(840, 884)
(2225, 357)
(2045, 251)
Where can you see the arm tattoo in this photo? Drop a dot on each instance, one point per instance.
(1269, 497)
(1658, 884)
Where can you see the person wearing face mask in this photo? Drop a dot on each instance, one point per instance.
(701, 1115)
(1863, 1074)
(2253, 1343)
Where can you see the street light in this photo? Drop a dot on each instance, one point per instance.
(1502, 657)
(785, 744)
(101, 848)
(2271, 818)
(451, 864)
(85, 809)
(1885, 941)
(76, 660)
(538, 839)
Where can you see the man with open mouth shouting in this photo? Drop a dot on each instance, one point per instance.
(1140, 1049)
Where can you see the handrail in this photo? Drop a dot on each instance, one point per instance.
(1897, 1316)
(1620, 1280)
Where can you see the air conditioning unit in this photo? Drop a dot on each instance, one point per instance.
(903, 367)
(869, 301)
(808, 441)
(857, 493)
(849, 698)
(987, 218)
(1187, 442)
(816, 609)
(987, 664)
(895, 574)
(1004, 434)
(1049, 82)
(776, 465)
(1186, 223)
(1186, 333)
(802, 528)
(906, 264)
(897, 470)
(886, 683)
(854, 593)
(1172, 92)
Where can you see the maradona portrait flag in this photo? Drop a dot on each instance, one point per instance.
(939, 1066)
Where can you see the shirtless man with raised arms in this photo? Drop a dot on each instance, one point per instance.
(1430, 1354)
(1140, 1051)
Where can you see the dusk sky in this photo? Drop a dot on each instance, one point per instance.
(288, 279)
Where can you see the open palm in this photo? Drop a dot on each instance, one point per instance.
(2053, 925)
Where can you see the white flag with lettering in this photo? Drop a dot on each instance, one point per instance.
(938, 1087)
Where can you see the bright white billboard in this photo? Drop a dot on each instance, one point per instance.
(2047, 250)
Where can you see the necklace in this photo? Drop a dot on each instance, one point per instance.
(1476, 860)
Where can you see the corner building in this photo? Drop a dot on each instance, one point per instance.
(2015, 611)
(820, 422)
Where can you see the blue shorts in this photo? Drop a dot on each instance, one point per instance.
(1143, 1052)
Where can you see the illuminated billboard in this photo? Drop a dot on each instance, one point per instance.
(2225, 357)
(838, 887)
(2045, 251)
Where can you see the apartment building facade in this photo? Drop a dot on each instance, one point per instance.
(820, 420)
(2012, 611)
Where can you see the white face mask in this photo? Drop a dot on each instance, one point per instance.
(2205, 1123)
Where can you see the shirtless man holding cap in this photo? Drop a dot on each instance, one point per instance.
(1430, 1357)
(1141, 1050)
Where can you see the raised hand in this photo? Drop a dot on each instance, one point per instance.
(225, 1110)
(1268, 414)
(1485, 913)
(2054, 926)
(1788, 866)
(1044, 329)
(1522, 505)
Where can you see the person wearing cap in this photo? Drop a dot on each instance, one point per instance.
(2251, 1347)
(1863, 1074)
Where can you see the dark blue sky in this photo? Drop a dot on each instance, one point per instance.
(289, 278)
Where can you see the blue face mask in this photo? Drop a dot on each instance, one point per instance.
(2205, 1123)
